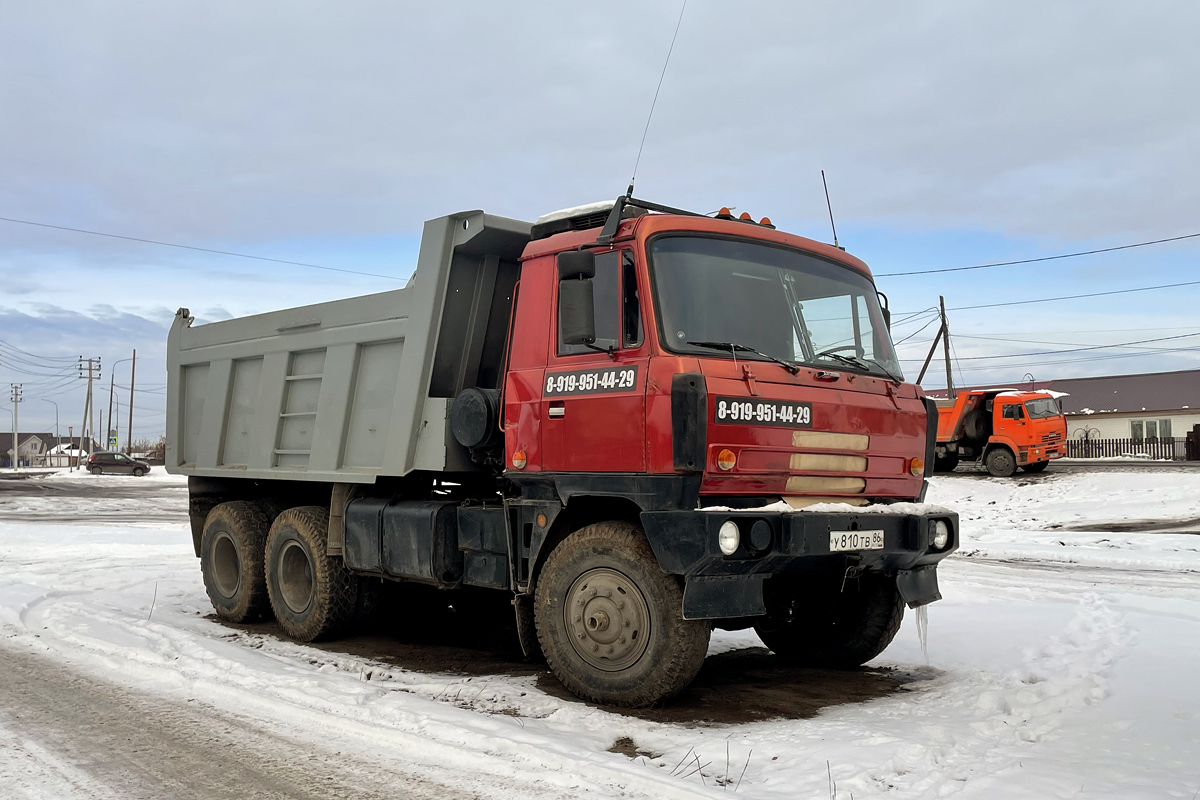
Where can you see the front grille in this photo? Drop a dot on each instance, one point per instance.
(1052, 437)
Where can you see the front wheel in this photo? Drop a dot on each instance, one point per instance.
(833, 623)
(1001, 463)
(311, 593)
(610, 622)
(138, 472)
(1039, 466)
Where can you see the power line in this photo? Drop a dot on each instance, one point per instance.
(1073, 349)
(198, 249)
(1076, 296)
(1036, 260)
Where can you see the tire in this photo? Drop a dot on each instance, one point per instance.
(311, 593)
(96, 470)
(822, 624)
(608, 573)
(945, 464)
(1000, 462)
(231, 560)
(977, 425)
(138, 472)
(1039, 466)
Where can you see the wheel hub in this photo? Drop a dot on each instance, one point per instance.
(608, 619)
(295, 577)
(227, 566)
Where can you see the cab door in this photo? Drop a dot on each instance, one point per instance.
(1011, 422)
(594, 403)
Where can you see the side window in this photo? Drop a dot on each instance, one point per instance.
(606, 292)
(1164, 428)
(631, 306)
(1135, 430)
(1013, 411)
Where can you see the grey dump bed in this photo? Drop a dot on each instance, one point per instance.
(352, 389)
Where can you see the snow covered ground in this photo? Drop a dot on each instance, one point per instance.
(1061, 663)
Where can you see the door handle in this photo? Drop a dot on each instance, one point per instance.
(557, 409)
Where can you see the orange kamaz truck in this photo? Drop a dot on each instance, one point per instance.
(1002, 428)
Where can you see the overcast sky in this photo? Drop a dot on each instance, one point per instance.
(951, 133)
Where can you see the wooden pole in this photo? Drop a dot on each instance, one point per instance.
(946, 348)
(932, 350)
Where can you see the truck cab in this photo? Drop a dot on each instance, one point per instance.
(1004, 429)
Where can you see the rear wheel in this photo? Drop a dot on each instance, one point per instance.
(311, 593)
(231, 560)
(1000, 462)
(96, 470)
(823, 623)
(610, 622)
(1039, 466)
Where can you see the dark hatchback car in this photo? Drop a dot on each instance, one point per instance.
(116, 464)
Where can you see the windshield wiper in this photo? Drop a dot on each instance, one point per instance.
(735, 348)
(861, 363)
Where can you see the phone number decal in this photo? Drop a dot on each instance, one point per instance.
(739, 410)
(591, 381)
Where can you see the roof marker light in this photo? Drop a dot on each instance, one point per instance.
(746, 216)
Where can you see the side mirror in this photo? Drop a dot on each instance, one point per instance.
(576, 306)
(887, 312)
(576, 311)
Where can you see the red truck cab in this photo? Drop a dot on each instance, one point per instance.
(777, 345)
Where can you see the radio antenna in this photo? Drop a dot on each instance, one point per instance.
(830, 207)
(650, 116)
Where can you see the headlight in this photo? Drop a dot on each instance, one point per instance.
(729, 537)
(941, 534)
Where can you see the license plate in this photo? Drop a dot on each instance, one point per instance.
(855, 540)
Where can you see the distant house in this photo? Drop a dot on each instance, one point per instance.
(31, 448)
(41, 449)
(1147, 406)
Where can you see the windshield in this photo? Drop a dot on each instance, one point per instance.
(1042, 408)
(783, 303)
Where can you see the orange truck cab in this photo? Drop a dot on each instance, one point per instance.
(1003, 428)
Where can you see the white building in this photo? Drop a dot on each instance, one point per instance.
(1147, 406)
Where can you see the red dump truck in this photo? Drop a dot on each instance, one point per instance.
(632, 422)
(1005, 429)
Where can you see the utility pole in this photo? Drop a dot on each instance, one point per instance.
(946, 348)
(70, 441)
(129, 433)
(111, 378)
(93, 367)
(16, 401)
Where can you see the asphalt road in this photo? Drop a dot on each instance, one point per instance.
(64, 734)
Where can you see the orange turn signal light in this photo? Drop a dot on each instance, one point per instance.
(520, 459)
(917, 466)
(726, 460)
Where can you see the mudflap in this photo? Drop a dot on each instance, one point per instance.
(526, 634)
(918, 586)
(723, 596)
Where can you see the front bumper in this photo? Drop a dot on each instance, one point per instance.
(719, 586)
